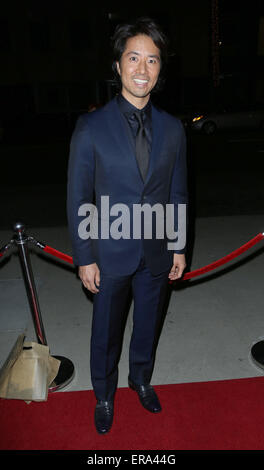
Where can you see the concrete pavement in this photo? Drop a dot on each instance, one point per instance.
(211, 321)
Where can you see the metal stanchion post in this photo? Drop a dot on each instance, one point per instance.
(21, 240)
(66, 370)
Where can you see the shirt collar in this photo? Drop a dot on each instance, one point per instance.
(128, 108)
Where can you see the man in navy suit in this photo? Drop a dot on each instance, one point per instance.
(127, 154)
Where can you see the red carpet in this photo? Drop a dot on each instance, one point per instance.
(222, 415)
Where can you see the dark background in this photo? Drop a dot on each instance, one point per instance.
(56, 62)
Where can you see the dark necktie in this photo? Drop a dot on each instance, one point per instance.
(142, 151)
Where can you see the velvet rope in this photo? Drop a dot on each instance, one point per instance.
(58, 254)
(225, 259)
(191, 274)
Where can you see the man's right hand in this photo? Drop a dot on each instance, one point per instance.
(90, 277)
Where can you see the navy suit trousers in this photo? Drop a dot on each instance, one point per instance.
(109, 318)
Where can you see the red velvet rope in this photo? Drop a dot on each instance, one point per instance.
(225, 259)
(191, 274)
(58, 254)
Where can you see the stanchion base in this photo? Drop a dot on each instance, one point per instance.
(64, 376)
(257, 354)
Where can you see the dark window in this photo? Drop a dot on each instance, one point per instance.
(40, 36)
(80, 35)
(5, 44)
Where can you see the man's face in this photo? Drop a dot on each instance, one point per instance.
(139, 69)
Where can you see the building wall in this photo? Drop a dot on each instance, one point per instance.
(56, 56)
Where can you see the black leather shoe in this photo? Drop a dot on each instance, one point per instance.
(147, 396)
(103, 416)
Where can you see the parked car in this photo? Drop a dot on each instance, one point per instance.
(209, 123)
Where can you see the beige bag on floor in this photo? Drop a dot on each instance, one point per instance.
(28, 372)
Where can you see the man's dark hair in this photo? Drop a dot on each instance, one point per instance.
(145, 26)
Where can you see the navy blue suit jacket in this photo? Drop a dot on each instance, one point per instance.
(103, 163)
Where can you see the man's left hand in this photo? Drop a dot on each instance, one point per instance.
(179, 264)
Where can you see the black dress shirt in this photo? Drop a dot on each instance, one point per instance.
(127, 109)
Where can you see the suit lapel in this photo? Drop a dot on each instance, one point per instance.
(157, 139)
(118, 130)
